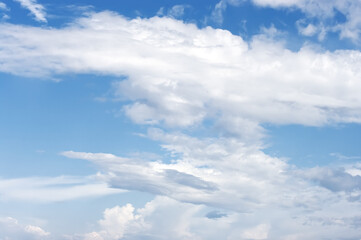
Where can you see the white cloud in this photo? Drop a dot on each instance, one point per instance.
(221, 6)
(164, 218)
(115, 223)
(177, 11)
(3, 7)
(36, 231)
(308, 30)
(222, 172)
(180, 75)
(279, 3)
(35, 9)
(11, 229)
(260, 197)
(323, 11)
(258, 232)
(52, 189)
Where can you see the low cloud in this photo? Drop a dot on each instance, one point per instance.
(11, 229)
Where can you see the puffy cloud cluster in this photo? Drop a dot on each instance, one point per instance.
(11, 229)
(163, 218)
(327, 13)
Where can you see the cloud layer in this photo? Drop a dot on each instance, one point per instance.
(222, 189)
(180, 75)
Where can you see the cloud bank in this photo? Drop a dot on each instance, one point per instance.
(180, 75)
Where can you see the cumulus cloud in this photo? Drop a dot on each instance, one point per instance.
(54, 189)
(11, 229)
(164, 217)
(180, 75)
(36, 9)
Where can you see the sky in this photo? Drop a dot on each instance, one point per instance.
(202, 120)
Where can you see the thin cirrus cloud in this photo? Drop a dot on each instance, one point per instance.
(54, 189)
(36, 9)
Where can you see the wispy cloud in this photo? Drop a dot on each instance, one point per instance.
(54, 189)
(324, 11)
(343, 157)
(36, 9)
(3, 7)
(177, 11)
(220, 8)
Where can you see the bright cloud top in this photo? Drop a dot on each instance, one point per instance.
(180, 75)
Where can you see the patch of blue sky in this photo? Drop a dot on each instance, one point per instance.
(315, 146)
(44, 118)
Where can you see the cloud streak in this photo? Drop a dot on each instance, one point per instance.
(54, 189)
(36, 9)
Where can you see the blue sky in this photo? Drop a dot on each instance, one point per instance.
(226, 119)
